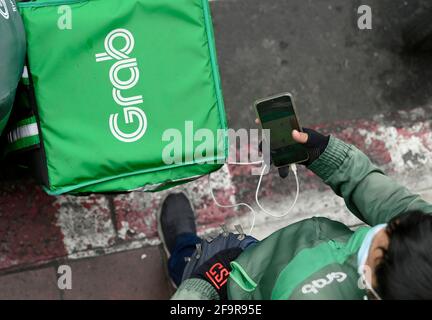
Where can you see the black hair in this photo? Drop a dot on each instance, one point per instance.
(405, 272)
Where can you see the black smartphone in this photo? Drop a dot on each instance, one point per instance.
(278, 114)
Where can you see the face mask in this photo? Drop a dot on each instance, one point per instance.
(363, 270)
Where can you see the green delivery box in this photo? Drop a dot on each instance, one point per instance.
(109, 78)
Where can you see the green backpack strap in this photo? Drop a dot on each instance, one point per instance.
(23, 135)
(22, 132)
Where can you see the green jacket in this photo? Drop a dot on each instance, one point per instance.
(317, 258)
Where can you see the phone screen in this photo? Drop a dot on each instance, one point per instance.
(278, 115)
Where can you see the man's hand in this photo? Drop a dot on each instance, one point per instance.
(315, 143)
(217, 269)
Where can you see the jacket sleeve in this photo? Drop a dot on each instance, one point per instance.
(195, 289)
(371, 195)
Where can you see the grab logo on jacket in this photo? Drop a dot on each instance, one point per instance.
(132, 114)
(318, 284)
(4, 9)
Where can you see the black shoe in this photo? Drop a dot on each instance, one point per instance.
(176, 217)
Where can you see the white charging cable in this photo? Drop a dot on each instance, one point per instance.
(254, 213)
(293, 168)
(245, 163)
(234, 206)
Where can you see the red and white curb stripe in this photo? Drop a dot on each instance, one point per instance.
(36, 228)
(92, 231)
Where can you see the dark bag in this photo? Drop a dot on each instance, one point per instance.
(12, 55)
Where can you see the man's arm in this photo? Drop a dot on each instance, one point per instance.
(209, 280)
(368, 193)
(195, 289)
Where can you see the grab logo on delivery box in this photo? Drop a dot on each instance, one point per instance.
(132, 113)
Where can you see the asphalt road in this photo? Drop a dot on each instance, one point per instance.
(315, 50)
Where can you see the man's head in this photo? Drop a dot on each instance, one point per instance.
(401, 258)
